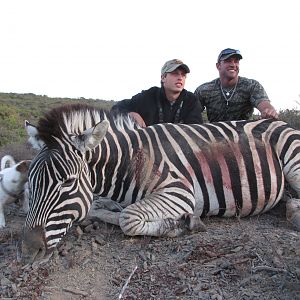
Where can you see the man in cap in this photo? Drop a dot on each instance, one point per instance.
(170, 103)
(231, 97)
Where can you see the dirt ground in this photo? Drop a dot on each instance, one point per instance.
(250, 258)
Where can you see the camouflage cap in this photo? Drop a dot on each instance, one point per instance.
(226, 53)
(172, 65)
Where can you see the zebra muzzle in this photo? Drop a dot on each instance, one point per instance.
(33, 246)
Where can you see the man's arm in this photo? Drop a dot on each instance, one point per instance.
(123, 106)
(130, 106)
(267, 110)
(261, 101)
(137, 117)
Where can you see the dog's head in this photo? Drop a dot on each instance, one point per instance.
(13, 178)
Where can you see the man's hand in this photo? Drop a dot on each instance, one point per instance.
(267, 110)
(138, 119)
(269, 113)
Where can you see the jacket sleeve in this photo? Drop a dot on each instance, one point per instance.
(199, 97)
(128, 105)
(193, 111)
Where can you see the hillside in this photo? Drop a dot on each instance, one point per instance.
(16, 108)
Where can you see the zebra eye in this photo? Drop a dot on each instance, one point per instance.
(68, 182)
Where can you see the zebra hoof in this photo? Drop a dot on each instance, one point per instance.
(194, 223)
(293, 212)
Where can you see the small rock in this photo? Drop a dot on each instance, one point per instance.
(237, 249)
(216, 297)
(5, 281)
(94, 246)
(14, 288)
(88, 228)
(79, 231)
(86, 222)
(96, 225)
(181, 290)
(99, 240)
(181, 276)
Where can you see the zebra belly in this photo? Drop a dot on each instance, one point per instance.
(223, 201)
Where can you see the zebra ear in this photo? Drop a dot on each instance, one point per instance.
(91, 137)
(34, 139)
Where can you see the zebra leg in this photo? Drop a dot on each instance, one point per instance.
(155, 218)
(132, 222)
(106, 203)
(293, 212)
(292, 175)
(186, 222)
(104, 215)
(105, 210)
(194, 222)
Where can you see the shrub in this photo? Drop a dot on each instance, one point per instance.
(291, 116)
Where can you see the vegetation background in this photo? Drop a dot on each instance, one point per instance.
(16, 108)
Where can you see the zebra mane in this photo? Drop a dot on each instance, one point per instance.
(75, 118)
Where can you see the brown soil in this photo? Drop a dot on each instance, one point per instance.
(250, 258)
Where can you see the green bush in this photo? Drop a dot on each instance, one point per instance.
(291, 116)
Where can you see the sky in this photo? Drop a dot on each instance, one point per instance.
(114, 49)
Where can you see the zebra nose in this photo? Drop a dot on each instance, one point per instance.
(32, 246)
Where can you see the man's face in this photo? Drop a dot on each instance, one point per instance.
(174, 81)
(229, 67)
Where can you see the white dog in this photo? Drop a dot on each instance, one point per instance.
(12, 179)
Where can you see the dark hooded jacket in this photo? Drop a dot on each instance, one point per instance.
(153, 106)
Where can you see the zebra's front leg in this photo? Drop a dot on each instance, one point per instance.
(159, 216)
(105, 210)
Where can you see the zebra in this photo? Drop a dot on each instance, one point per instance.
(164, 178)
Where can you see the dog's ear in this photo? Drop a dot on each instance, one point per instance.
(7, 161)
(23, 166)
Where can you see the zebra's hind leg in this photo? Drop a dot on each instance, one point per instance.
(147, 217)
(293, 212)
(194, 222)
(187, 222)
(292, 176)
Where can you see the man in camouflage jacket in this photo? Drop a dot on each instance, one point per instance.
(231, 97)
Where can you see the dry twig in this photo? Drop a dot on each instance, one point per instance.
(126, 283)
(72, 291)
(267, 268)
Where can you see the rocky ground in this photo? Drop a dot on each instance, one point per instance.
(250, 258)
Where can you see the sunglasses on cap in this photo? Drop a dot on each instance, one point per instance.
(226, 53)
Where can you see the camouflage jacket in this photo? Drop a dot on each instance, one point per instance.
(238, 106)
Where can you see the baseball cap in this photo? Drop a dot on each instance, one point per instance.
(172, 65)
(226, 53)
